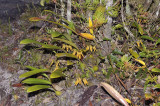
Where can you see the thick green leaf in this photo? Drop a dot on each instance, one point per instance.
(55, 34)
(106, 39)
(118, 26)
(158, 41)
(143, 54)
(116, 51)
(33, 68)
(28, 41)
(69, 63)
(140, 30)
(147, 38)
(157, 86)
(57, 73)
(30, 67)
(36, 81)
(66, 55)
(30, 73)
(67, 36)
(37, 87)
(46, 46)
(71, 25)
(155, 70)
(68, 42)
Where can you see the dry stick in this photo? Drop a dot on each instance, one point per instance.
(124, 25)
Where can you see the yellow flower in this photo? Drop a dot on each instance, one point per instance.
(87, 48)
(70, 47)
(90, 47)
(78, 81)
(94, 48)
(63, 46)
(85, 81)
(74, 52)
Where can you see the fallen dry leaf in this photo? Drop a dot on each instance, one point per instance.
(114, 93)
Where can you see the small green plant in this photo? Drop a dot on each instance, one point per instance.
(45, 82)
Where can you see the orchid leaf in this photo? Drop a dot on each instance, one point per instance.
(66, 55)
(68, 42)
(37, 87)
(36, 81)
(30, 73)
(147, 38)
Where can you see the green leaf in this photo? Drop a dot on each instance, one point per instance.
(155, 70)
(42, 2)
(37, 87)
(57, 73)
(82, 66)
(125, 58)
(133, 53)
(31, 68)
(147, 38)
(46, 46)
(28, 41)
(36, 81)
(69, 63)
(67, 36)
(68, 42)
(30, 73)
(140, 30)
(55, 34)
(157, 86)
(118, 26)
(143, 54)
(106, 39)
(71, 25)
(65, 55)
(117, 52)
(158, 41)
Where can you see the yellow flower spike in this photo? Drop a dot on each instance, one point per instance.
(141, 42)
(57, 67)
(87, 36)
(85, 81)
(78, 81)
(94, 48)
(74, 52)
(67, 48)
(87, 48)
(70, 47)
(82, 54)
(63, 46)
(138, 43)
(90, 48)
(90, 26)
(79, 55)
